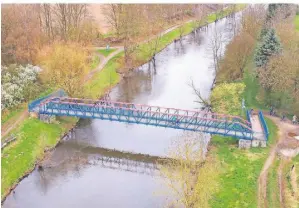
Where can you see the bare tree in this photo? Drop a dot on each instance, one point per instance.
(46, 20)
(215, 48)
(112, 14)
(191, 180)
(204, 102)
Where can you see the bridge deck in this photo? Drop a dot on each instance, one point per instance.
(149, 115)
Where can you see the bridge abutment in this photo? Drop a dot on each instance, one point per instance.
(47, 118)
(246, 144)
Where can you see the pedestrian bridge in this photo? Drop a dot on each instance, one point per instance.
(59, 105)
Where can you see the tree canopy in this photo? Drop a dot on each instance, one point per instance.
(65, 67)
(269, 46)
(226, 98)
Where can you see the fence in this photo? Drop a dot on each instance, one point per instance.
(248, 117)
(264, 125)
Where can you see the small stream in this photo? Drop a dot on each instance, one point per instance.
(111, 164)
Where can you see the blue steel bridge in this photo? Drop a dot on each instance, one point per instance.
(59, 104)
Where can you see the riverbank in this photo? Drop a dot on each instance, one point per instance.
(98, 85)
(254, 177)
(239, 171)
(35, 138)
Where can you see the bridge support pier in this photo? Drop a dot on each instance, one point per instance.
(47, 118)
(246, 144)
(259, 143)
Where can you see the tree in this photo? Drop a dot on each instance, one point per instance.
(280, 81)
(200, 14)
(236, 57)
(188, 176)
(253, 19)
(155, 23)
(112, 14)
(65, 67)
(226, 98)
(19, 83)
(215, 48)
(20, 33)
(269, 46)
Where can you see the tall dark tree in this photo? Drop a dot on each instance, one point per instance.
(269, 46)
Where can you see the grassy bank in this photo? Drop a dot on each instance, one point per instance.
(297, 22)
(105, 52)
(239, 171)
(94, 62)
(252, 87)
(105, 79)
(144, 52)
(273, 185)
(33, 137)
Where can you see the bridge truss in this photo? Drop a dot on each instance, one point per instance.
(148, 115)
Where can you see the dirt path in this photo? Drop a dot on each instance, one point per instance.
(7, 128)
(103, 61)
(284, 128)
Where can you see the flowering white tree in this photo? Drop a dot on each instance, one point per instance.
(19, 83)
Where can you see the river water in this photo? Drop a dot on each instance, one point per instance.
(111, 164)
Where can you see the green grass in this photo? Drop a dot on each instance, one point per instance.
(252, 88)
(297, 22)
(20, 156)
(104, 79)
(273, 186)
(95, 62)
(106, 52)
(240, 171)
(13, 114)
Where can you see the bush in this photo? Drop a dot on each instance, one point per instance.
(19, 84)
(227, 98)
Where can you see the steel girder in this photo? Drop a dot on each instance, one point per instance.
(149, 115)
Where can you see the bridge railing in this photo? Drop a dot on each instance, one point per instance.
(248, 117)
(264, 125)
(35, 103)
(158, 109)
(144, 112)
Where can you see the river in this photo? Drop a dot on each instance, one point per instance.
(103, 163)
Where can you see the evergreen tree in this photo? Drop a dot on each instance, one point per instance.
(269, 46)
(264, 32)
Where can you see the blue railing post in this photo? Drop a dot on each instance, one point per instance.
(248, 117)
(264, 124)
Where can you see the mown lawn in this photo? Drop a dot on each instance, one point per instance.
(252, 87)
(297, 22)
(33, 136)
(106, 52)
(273, 185)
(104, 79)
(12, 114)
(239, 171)
(94, 62)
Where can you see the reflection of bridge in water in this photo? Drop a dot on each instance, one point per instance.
(108, 158)
(124, 164)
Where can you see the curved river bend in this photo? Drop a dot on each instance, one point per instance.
(91, 168)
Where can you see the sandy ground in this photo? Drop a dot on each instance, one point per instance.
(284, 129)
